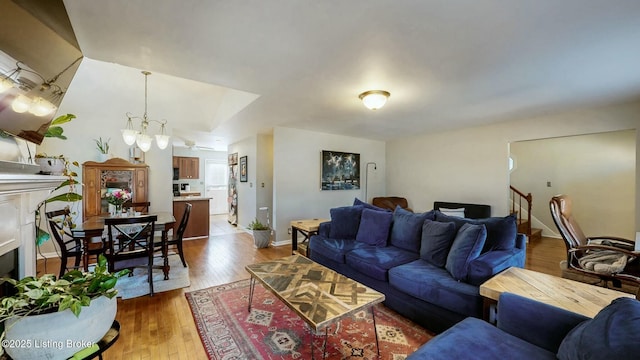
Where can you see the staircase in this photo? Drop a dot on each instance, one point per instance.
(518, 208)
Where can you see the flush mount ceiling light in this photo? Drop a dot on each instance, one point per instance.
(140, 137)
(374, 99)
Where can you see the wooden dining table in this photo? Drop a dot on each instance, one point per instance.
(93, 227)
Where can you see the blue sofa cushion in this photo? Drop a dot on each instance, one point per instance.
(366, 205)
(375, 261)
(476, 339)
(435, 285)
(374, 227)
(407, 228)
(437, 238)
(333, 249)
(465, 248)
(611, 334)
(501, 231)
(345, 222)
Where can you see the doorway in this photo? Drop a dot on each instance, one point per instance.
(216, 185)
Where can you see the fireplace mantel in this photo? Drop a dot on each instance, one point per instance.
(20, 195)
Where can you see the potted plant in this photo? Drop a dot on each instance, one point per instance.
(103, 148)
(51, 318)
(54, 165)
(261, 233)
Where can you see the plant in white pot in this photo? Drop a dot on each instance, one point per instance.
(261, 233)
(103, 148)
(54, 165)
(51, 318)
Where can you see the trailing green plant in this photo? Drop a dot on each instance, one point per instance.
(103, 145)
(47, 294)
(257, 225)
(54, 130)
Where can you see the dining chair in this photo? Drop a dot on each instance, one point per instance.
(176, 240)
(130, 244)
(70, 247)
(137, 206)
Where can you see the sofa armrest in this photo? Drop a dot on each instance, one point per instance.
(492, 262)
(535, 322)
(324, 228)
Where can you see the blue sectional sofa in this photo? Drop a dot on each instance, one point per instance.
(528, 329)
(428, 265)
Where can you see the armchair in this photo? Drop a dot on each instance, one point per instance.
(608, 258)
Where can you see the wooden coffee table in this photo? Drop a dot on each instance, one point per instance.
(567, 294)
(319, 295)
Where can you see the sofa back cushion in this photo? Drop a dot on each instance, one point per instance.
(611, 334)
(466, 246)
(345, 222)
(406, 229)
(501, 231)
(366, 205)
(374, 227)
(437, 238)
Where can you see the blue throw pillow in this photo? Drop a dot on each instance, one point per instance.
(357, 201)
(466, 247)
(437, 238)
(374, 227)
(501, 231)
(611, 334)
(345, 222)
(407, 228)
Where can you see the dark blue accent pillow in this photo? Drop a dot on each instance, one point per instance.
(406, 229)
(437, 238)
(357, 201)
(501, 231)
(345, 222)
(374, 227)
(466, 247)
(611, 334)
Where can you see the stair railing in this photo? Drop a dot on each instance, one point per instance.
(517, 198)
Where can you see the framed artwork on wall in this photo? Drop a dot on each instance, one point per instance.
(243, 169)
(340, 170)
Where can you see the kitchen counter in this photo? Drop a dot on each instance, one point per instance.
(198, 225)
(190, 198)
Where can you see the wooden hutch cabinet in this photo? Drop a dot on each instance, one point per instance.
(98, 178)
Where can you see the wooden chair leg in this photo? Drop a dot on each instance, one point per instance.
(179, 245)
(63, 265)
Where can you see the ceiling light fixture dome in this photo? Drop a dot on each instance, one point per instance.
(374, 99)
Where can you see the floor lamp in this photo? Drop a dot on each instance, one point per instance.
(366, 179)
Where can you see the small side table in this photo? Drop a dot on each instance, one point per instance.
(306, 227)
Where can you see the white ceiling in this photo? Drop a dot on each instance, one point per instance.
(302, 63)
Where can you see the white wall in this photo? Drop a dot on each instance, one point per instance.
(471, 165)
(296, 178)
(598, 172)
(100, 108)
(264, 176)
(246, 190)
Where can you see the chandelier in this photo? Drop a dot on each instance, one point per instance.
(140, 137)
(41, 102)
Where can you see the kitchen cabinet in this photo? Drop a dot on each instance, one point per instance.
(198, 225)
(189, 167)
(115, 173)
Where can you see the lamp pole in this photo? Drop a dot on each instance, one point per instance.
(366, 178)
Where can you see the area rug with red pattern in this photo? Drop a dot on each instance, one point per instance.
(273, 331)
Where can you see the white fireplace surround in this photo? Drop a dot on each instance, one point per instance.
(20, 195)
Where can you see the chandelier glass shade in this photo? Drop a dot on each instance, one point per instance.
(374, 99)
(140, 137)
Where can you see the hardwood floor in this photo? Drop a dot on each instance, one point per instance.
(162, 327)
